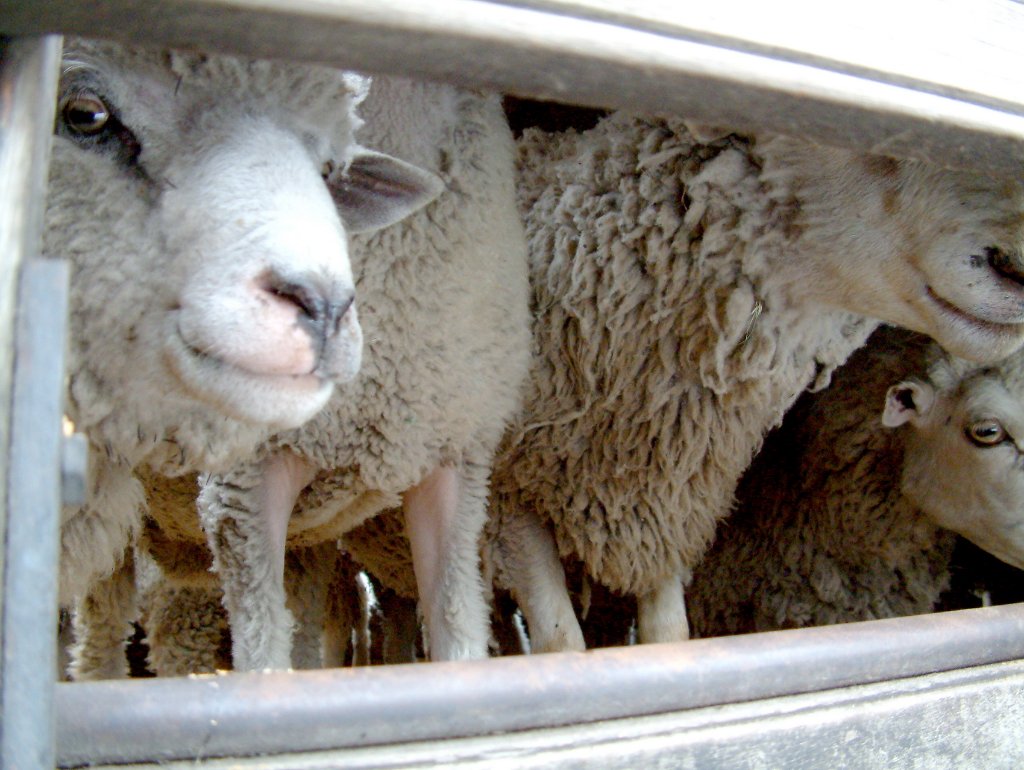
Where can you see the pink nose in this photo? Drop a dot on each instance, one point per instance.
(320, 311)
(294, 320)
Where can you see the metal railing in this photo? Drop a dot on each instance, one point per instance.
(861, 695)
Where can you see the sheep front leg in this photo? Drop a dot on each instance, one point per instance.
(102, 624)
(346, 625)
(310, 581)
(661, 613)
(444, 515)
(245, 515)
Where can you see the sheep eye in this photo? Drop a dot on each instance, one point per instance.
(85, 114)
(986, 432)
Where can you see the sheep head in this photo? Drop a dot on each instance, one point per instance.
(205, 204)
(935, 250)
(964, 450)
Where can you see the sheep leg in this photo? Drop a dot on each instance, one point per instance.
(661, 613)
(102, 624)
(507, 639)
(337, 634)
(309, 575)
(245, 515)
(400, 627)
(360, 610)
(444, 516)
(186, 630)
(346, 628)
(537, 581)
(65, 643)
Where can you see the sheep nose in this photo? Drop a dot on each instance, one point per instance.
(1008, 264)
(321, 310)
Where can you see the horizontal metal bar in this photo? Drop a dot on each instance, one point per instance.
(970, 719)
(646, 60)
(275, 713)
(966, 49)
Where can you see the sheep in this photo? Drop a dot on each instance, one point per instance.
(444, 308)
(166, 584)
(849, 510)
(204, 203)
(186, 625)
(685, 292)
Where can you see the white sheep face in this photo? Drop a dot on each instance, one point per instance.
(931, 249)
(203, 202)
(964, 456)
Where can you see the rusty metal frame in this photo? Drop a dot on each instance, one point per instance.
(585, 51)
(292, 712)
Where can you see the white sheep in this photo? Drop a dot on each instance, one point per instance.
(685, 293)
(204, 204)
(444, 308)
(166, 585)
(841, 515)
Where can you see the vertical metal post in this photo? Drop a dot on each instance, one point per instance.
(33, 303)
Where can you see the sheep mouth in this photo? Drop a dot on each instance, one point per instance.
(281, 400)
(210, 361)
(962, 317)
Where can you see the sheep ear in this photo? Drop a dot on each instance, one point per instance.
(377, 190)
(907, 402)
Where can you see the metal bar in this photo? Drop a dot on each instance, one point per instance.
(276, 713)
(964, 49)
(581, 52)
(970, 719)
(28, 82)
(31, 388)
(33, 524)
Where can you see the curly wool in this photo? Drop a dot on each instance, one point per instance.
(666, 342)
(444, 318)
(182, 612)
(822, 532)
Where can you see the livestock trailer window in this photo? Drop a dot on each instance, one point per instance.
(933, 81)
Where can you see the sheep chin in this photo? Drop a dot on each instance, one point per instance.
(280, 401)
(968, 334)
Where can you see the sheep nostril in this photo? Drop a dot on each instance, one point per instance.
(322, 309)
(1007, 265)
(305, 297)
(338, 311)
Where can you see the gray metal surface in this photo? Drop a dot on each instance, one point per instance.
(33, 522)
(971, 719)
(31, 388)
(276, 713)
(958, 103)
(655, 706)
(28, 86)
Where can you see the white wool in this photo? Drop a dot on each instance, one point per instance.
(685, 294)
(840, 518)
(443, 305)
(201, 323)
